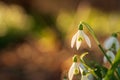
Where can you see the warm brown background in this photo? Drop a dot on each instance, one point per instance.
(35, 35)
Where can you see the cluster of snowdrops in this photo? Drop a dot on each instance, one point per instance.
(95, 71)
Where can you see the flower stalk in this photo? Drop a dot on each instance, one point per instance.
(79, 37)
(90, 70)
(96, 40)
(99, 45)
(80, 66)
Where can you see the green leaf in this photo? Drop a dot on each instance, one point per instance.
(117, 59)
(118, 69)
(110, 74)
(97, 70)
(100, 70)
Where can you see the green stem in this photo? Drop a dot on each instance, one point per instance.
(117, 73)
(104, 53)
(98, 43)
(83, 62)
(95, 75)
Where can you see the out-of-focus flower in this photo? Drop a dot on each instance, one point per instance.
(82, 70)
(112, 43)
(111, 56)
(78, 38)
(74, 69)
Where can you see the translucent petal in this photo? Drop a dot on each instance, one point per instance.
(80, 33)
(76, 68)
(78, 44)
(79, 39)
(73, 40)
(82, 68)
(87, 39)
(71, 71)
(109, 42)
(84, 78)
(90, 77)
(111, 55)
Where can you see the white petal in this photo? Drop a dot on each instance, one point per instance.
(105, 60)
(87, 39)
(80, 33)
(90, 77)
(78, 44)
(84, 78)
(82, 68)
(111, 55)
(71, 71)
(87, 77)
(73, 40)
(109, 42)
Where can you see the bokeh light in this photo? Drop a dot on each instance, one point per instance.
(35, 35)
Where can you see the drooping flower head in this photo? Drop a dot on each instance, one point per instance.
(77, 68)
(74, 69)
(112, 43)
(79, 37)
(83, 70)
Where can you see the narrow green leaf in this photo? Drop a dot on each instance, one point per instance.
(110, 73)
(117, 58)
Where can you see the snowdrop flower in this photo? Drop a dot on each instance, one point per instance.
(89, 77)
(112, 42)
(74, 69)
(79, 37)
(111, 56)
(85, 77)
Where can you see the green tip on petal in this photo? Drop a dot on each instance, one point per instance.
(76, 71)
(84, 73)
(114, 35)
(75, 58)
(80, 26)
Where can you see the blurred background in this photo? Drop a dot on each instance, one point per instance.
(35, 35)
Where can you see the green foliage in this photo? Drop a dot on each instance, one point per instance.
(99, 71)
(110, 73)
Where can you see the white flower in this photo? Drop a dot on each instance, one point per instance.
(82, 68)
(85, 77)
(110, 42)
(111, 56)
(74, 69)
(78, 38)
